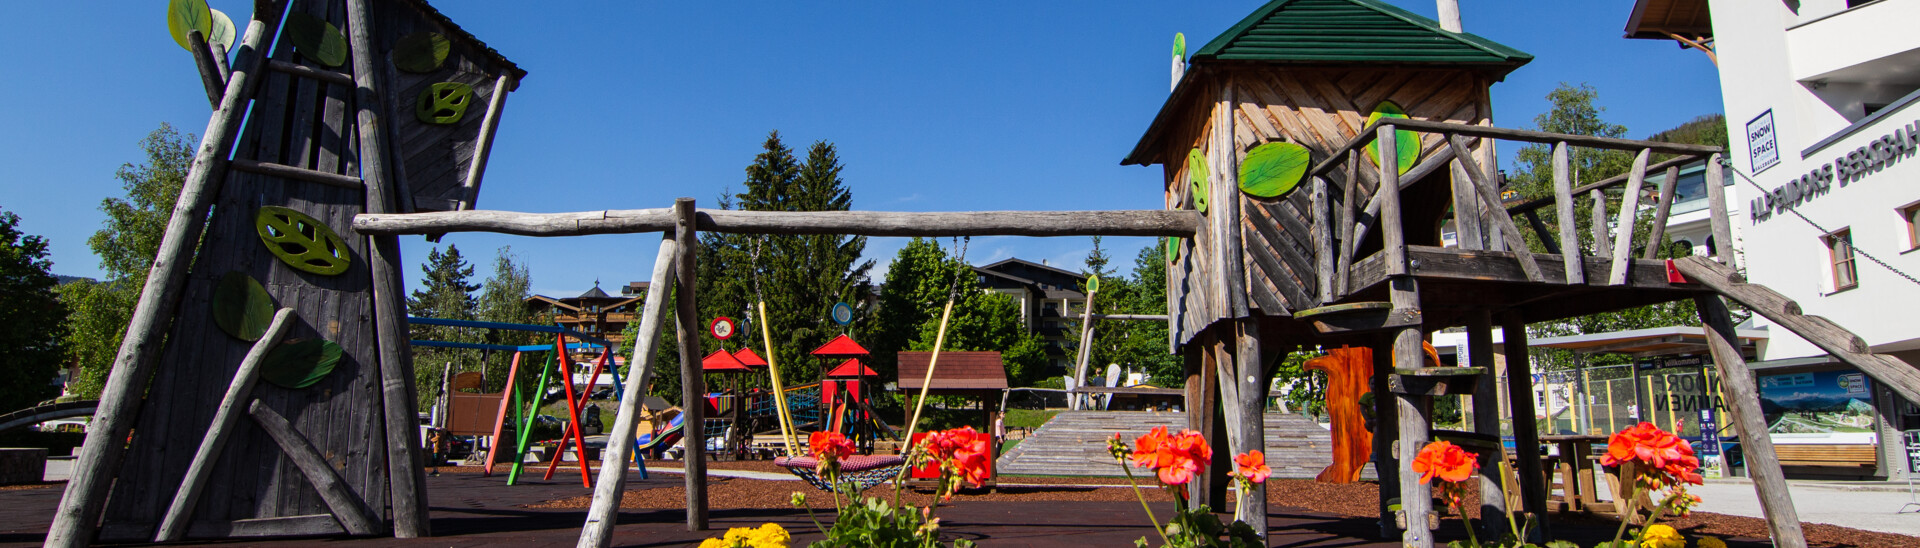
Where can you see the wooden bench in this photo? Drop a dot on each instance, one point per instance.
(1827, 455)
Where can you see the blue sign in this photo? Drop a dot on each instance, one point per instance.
(842, 313)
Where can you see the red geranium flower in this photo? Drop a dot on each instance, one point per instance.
(1173, 457)
(1252, 465)
(974, 460)
(830, 446)
(1661, 454)
(1444, 460)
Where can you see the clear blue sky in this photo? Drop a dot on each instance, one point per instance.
(933, 106)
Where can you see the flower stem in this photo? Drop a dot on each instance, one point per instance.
(1143, 503)
(1627, 515)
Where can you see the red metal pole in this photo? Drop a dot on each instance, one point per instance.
(506, 395)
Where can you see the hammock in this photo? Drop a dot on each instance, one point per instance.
(863, 471)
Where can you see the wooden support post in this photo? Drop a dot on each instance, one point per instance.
(209, 71)
(1245, 415)
(1389, 197)
(1386, 433)
(407, 478)
(1344, 271)
(1526, 433)
(604, 512)
(1414, 422)
(1466, 206)
(1322, 240)
(1202, 411)
(1717, 212)
(484, 145)
(1540, 228)
(347, 507)
(1563, 208)
(1763, 466)
(1482, 185)
(1085, 353)
(693, 388)
(78, 517)
(1486, 421)
(180, 513)
(1629, 216)
(220, 63)
(1597, 223)
(1656, 240)
(1229, 252)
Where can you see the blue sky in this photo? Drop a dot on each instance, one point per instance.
(933, 106)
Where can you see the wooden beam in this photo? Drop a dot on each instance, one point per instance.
(209, 71)
(1466, 204)
(1526, 434)
(1084, 352)
(345, 505)
(484, 146)
(604, 512)
(1540, 229)
(180, 512)
(1182, 223)
(1249, 431)
(1386, 462)
(1656, 240)
(1486, 421)
(1563, 207)
(1597, 222)
(1124, 317)
(1743, 399)
(1717, 212)
(1538, 203)
(1615, 347)
(693, 388)
(1322, 241)
(1346, 225)
(78, 517)
(405, 463)
(1368, 134)
(1629, 217)
(1898, 375)
(329, 76)
(1482, 185)
(1421, 171)
(298, 173)
(1392, 236)
(1229, 253)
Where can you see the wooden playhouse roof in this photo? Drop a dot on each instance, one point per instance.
(957, 371)
(840, 346)
(1350, 31)
(852, 368)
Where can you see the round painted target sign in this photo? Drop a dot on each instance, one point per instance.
(721, 328)
(842, 313)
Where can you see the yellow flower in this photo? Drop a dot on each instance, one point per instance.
(738, 535)
(714, 543)
(769, 535)
(1709, 542)
(1661, 535)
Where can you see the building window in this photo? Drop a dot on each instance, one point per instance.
(1910, 216)
(1840, 254)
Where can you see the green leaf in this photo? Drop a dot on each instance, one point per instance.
(1197, 175)
(1179, 45)
(1272, 170)
(1405, 143)
(421, 52)
(317, 39)
(184, 16)
(1093, 283)
(300, 364)
(443, 103)
(241, 307)
(1173, 248)
(303, 242)
(222, 32)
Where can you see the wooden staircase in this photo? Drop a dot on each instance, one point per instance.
(1074, 444)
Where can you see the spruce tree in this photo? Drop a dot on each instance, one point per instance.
(445, 292)
(31, 352)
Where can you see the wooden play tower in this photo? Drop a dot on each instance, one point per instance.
(1312, 155)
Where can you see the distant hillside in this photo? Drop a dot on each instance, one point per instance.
(1709, 129)
(64, 280)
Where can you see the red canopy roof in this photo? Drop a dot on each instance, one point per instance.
(852, 368)
(720, 361)
(749, 358)
(840, 346)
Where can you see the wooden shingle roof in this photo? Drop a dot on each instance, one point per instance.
(956, 371)
(1349, 31)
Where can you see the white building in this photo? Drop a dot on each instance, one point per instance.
(1818, 97)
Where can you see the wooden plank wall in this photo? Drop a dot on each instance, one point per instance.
(302, 123)
(1320, 109)
(431, 160)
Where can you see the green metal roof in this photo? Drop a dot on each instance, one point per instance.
(1320, 31)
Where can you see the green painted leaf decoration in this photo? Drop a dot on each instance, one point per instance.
(1272, 170)
(421, 52)
(188, 15)
(1406, 143)
(1173, 248)
(443, 103)
(1093, 284)
(1179, 46)
(1197, 175)
(303, 242)
(317, 39)
(223, 32)
(299, 364)
(241, 307)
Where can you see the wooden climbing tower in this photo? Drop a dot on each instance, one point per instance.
(1331, 147)
(213, 427)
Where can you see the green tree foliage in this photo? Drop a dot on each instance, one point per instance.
(31, 350)
(503, 298)
(915, 290)
(445, 292)
(98, 312)
(1137, 346)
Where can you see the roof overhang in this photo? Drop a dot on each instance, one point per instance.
(1656, 341)
(1659, 19)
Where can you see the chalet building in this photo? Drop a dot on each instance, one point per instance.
(1046, 296)
(594, 312)
(1822, 148)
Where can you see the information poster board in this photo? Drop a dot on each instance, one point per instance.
(1819, 406)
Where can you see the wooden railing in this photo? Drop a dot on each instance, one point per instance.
(1478, 192)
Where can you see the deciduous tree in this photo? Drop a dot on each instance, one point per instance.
(31, 350)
